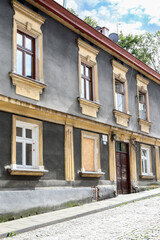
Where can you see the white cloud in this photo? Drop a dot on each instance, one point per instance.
(155, 20)
(137, 7)
(111, 12)
(72, 4)
(59, 1)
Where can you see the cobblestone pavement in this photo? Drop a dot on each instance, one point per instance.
(138, 220)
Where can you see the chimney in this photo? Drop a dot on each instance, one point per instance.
(103, 30)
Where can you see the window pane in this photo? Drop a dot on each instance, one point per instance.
(18, 132)
(123, 147)
(28, 65)
(82, 69)
(144, 153)
(118, 146)
(119, 87)
(82, 86)
(141, 97)
(28, 154)
(19, 39)
(19, 62)
(19, 153)
(142, 111)
(28, 133)
(119, 102)
(88, 72)
(88, 90)
(28, 43)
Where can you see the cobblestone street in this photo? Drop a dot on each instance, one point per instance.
(138, 220)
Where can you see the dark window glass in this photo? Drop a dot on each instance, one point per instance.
(25, 55)
(19, 153)
(118, 146)
(142, 106)
(18, 132)
(119, 92)
(86, 82)
(123, 147)
(28, 154)
(28, 133)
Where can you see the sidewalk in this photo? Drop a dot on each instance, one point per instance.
(45, 219)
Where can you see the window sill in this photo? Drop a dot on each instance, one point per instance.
(27, 87)
(121, 118)
(147, 176)
(89, 108)
(26, 172)
(145, 125)
(91, 174)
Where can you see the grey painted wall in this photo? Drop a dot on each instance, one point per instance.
(53, 151)
(60, 53)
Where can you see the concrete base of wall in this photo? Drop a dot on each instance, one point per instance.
(22, 203)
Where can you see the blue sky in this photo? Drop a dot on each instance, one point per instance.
(131, 16)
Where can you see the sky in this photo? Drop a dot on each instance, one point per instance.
(128, 16)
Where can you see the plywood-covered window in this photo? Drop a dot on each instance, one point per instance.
(90, 155)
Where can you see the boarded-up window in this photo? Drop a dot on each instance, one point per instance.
(90, 152)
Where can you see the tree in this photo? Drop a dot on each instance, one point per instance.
(89, 20)
(145, 47)
(72, 11)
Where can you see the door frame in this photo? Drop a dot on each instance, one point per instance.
(128, 160)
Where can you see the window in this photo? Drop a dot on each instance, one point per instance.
(90, 155)
(120, 93)
(143, 104)
(146, 163)
(27, 154)
(26, 145)
(25, 55)
(88, 79)
(27, 72)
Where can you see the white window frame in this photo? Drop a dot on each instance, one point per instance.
(37, 167)
(34, 141)
(122, 95)
(146, 161)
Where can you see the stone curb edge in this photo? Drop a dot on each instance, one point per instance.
(34, 227)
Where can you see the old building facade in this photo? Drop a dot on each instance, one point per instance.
(78, 113)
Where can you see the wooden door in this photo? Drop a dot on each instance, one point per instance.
(122, 168)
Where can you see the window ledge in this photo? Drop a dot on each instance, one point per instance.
(27, 172)
(91, 174)
(27, 87)
(145, 125)
(89, 108)
(147, 176)
(121, 118)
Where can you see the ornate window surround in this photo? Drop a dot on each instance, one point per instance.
(119, 73)
(142, 85)
(30, 23)
(87, 55)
